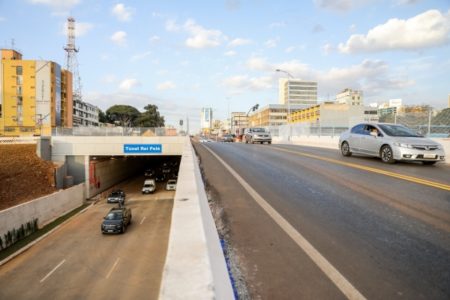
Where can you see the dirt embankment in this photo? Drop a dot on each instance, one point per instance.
(23, 175)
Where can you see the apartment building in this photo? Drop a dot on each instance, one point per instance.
(297, 92)
(85, 114)
(238, 120)
(35, 96)
(350, 97)
(271, 115)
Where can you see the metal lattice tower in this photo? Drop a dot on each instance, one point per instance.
(71, 58)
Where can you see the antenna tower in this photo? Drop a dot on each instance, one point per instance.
(71, 58)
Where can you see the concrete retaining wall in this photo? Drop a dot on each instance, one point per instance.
(332, 143)
(45, 209)
(195, 265)
(111, 172)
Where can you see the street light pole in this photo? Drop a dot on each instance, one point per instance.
(288, 99)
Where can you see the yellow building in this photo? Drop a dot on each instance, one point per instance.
(35, 96)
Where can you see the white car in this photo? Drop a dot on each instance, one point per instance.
(149, 186)
(171, 185)
(390, 142)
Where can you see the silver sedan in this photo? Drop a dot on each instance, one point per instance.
(390, 142)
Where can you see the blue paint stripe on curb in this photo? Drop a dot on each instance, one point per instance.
(223, 243)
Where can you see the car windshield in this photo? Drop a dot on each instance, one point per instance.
(258, 130)
(171, 182)
(148, 185)
(116, 194)
(398, 130)
(114, 216)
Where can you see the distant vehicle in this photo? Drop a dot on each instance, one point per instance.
(228, 138)
(116, 196)
(390, 142)
(149, 186)
(257, 135)
(149, 173)
(159, 177)
(117, 220)
(171, 185)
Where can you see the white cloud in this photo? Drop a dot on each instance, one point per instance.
(128, 84)
(239, 42)
(429, 29)
(81, 28)
(328, 48)
(140, 56)
(154, 39)
(243, 82)
(272, 43)
(121, 12)
(340, 5)
(294, 48)
(168, 85)
(230, 53)
(119, 38)
(199, 37)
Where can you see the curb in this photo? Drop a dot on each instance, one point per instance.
(28, 246)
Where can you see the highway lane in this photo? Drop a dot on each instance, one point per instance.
(78, 262)
(389, 237)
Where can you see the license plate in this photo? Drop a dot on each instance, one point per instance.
(429, 156)
(110, 230)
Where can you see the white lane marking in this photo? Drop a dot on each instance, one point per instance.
(113, 267)
(327, 268)
(51, 272)
(142, 220)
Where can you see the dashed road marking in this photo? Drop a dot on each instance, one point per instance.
(113, 267)
(54, 269)
(142, 221)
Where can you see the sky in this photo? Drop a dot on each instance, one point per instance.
(184, 55)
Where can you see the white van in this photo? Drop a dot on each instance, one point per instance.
(149, 186)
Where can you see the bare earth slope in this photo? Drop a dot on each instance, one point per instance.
(23, 175)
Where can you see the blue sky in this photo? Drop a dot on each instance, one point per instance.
(185, 55)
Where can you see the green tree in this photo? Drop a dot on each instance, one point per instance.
(102, 116)
(150, 117)
(122, 115)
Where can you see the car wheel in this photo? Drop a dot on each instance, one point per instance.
(345, 149)
(386, 154)
(429, 162)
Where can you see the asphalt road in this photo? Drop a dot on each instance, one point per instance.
(384, 228)
(78, 262)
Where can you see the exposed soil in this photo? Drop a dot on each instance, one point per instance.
(23, 175)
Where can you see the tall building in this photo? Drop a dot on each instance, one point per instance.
(238, 120)
(35, 96)
(350, 97)
(206, 117)
(297, 92)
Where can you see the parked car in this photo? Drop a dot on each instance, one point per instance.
(117, 220)
(116, 196)
(257, 135)
(149, 186)
(171, 185)
(390, 142)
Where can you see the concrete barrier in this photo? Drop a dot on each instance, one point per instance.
(45, 209)
(332, 143)
(195, 265)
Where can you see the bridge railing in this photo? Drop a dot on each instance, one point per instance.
(116, 131)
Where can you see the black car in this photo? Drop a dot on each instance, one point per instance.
(116, 196)
(117, 220)
(149, 173)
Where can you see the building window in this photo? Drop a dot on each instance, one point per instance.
(19, 70)
(19, 80)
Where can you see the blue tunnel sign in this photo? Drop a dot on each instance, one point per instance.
(142, 148)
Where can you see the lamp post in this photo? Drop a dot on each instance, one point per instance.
(288, 99)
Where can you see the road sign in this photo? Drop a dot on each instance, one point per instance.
(142, 148)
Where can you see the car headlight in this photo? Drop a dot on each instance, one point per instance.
(404, 145)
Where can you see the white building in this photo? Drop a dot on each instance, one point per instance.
(206, 119)
(350, 97)
(297, 92)
(85, 114)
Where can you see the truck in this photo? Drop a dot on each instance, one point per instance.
(257, 135)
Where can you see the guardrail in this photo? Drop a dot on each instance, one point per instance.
(116, 131)
(19, 140)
